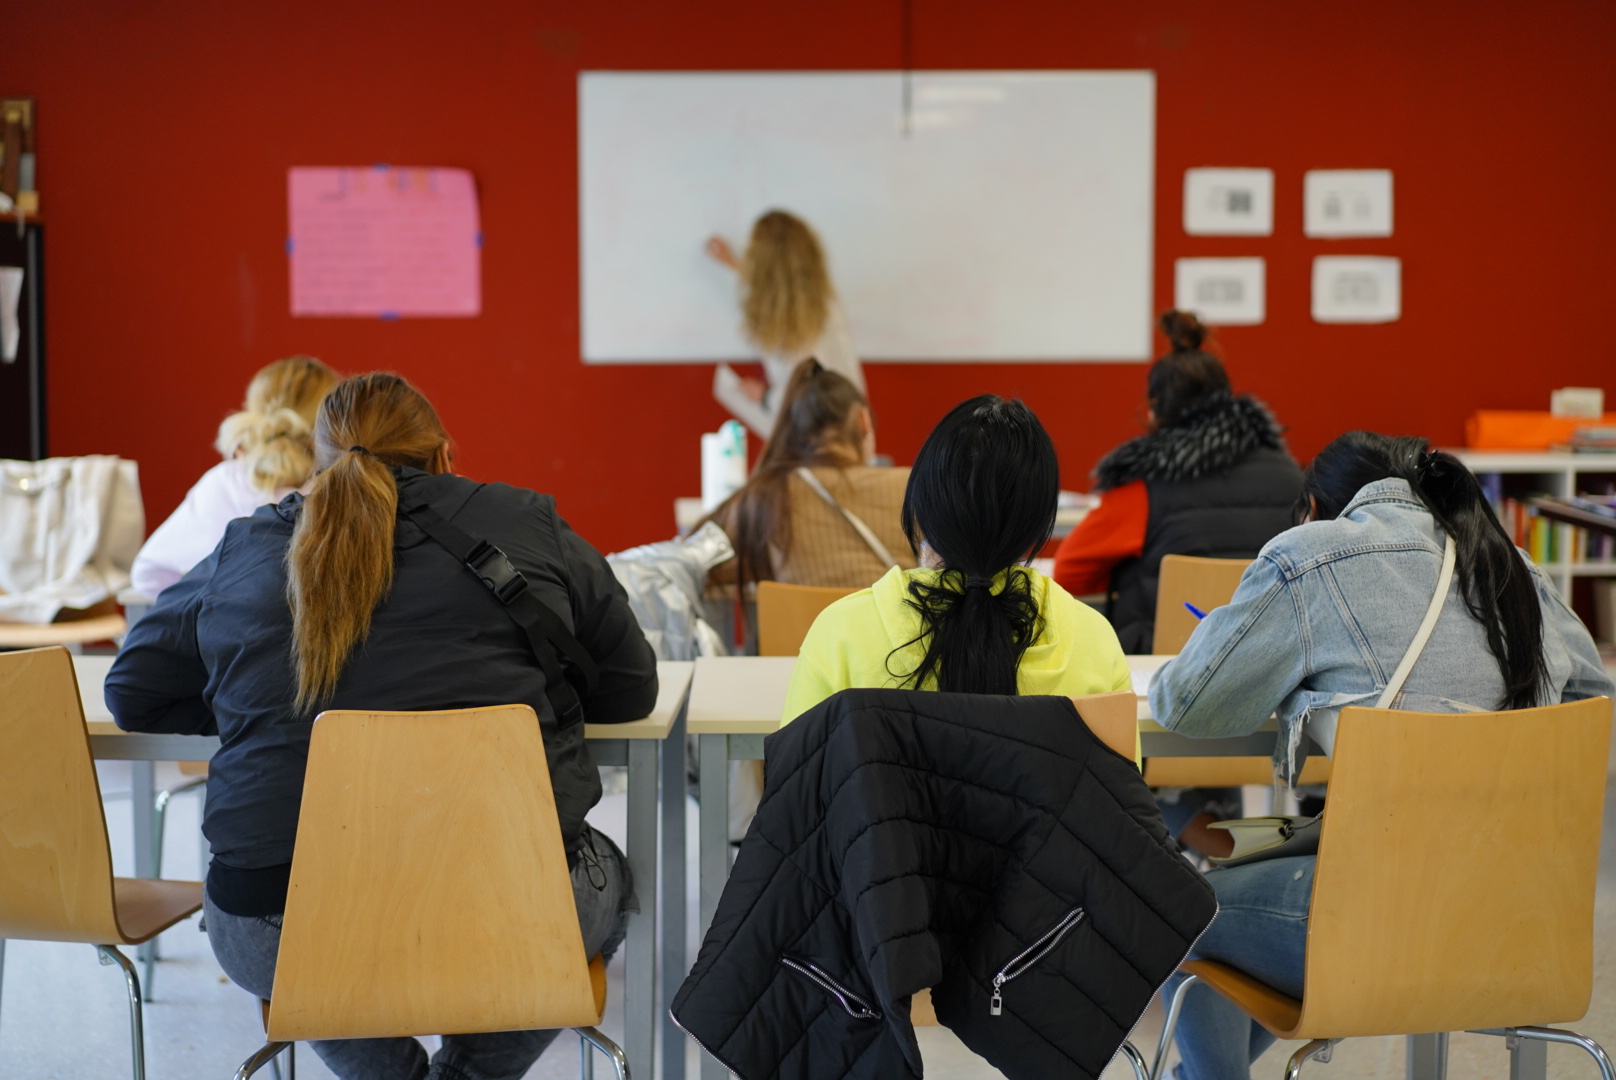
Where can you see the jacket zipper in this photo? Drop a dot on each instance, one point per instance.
(856, 1007)
(1029, 956)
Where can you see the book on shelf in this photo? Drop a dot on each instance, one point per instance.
(1550, 543)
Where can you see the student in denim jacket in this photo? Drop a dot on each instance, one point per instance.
(1319, 622)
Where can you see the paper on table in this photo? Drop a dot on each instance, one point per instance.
(10, 299)
(384, 241)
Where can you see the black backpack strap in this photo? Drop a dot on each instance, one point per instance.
(546, 634)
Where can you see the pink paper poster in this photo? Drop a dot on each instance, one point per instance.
(384, 241)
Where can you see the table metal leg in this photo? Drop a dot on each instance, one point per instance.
(143, 812)
(639, 989)
(673, 895)
(1427, 1057)
(714, 825)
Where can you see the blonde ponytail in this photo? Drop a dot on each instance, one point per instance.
(273, 433)
(339, 566)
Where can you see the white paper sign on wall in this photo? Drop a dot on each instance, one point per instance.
(1221, 292)
(1357, 289)
(1347, 202)
(1229, 202)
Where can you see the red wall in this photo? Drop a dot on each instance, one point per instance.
(166, 129)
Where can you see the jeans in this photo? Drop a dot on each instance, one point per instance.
(1261, 929)
(246, 947)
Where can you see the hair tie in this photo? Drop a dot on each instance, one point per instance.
(360, 450)
(979, 581)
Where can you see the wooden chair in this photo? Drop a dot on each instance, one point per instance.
(785, 612)
(429, 890)
(1113, 718)
(1208, 584)
(56, 880)
(1459, 898)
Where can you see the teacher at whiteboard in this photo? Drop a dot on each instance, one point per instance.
(790, 312)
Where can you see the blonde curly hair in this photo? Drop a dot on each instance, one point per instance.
(274, 431)
(785, 287)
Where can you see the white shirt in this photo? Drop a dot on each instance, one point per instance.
(195, 528)
(834, 351)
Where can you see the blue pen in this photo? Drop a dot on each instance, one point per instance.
(1193, 610)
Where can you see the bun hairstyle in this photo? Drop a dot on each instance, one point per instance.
(982, 495)
(339, 566)
(273, 432)
(785, 287)
(1186, 379)
(817, 425)
(1498, 587)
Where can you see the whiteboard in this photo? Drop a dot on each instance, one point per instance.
(1011, 221)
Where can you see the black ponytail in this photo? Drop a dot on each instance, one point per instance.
(1497, 585)
(982, 496)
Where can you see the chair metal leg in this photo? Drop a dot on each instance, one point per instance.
(1170, 1026)
(261, 1057)
(600, 1042)
(137, 1029)
(1135, 1059)
(275, 1067)
(1318, 1049)
(586, 1059)
(1526, 1046)
(291, 1061)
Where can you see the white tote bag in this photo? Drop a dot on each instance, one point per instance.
(69, 531)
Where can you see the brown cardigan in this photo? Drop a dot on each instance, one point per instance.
(825, 549)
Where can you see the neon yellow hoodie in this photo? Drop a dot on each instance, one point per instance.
(1077, 652)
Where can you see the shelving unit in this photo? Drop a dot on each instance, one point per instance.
(1560, 473)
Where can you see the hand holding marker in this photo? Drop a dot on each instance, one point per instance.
(1193, 610)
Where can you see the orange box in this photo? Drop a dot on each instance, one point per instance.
(1510, 429)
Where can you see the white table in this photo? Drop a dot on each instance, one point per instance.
(640, 744)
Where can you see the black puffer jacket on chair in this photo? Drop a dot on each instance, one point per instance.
(990, 848)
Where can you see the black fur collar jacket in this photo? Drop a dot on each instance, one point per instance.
(1219, 435)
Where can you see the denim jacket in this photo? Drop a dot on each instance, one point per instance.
(1323, 617)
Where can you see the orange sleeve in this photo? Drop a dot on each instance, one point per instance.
(1111, 532)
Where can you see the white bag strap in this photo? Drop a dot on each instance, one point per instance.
(865, 533)
(1443, 582)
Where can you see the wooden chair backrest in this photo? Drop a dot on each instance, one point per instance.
(55, 863)
(1206, 583)
(785, 612)
(1113, 718)
(1455, 880)
(429, 888)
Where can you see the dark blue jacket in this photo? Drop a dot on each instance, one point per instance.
(214, 657)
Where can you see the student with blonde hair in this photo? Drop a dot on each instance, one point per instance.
(790, 312)
(355, 596)
(268, 451)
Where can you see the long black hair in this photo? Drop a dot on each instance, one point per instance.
(1497, 585)
(982, 496)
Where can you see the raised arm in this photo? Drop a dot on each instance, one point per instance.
(718, 249)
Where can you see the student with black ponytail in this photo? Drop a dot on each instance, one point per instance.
(1321, 621)
(973, 618)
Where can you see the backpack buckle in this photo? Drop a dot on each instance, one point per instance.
(495, 570)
